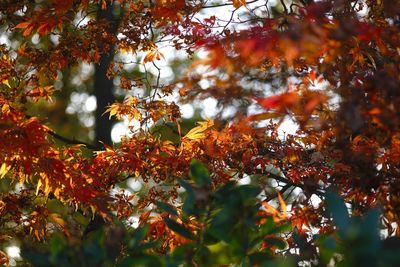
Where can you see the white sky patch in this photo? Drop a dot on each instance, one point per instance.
(204, 83)
(90, 104)
(364, 11)
(118, 131)
(245, 180)
(87, 121)
(133, 221)
(55, 39)
(187, 111)
(315, 200)
(13, 252)
(166, 73)
(287, 127)
(77, 101)
(87, 70)
(5, 40)
(81, 19)
(134, 184)
(124, 128)
(209, 107)
(35, 39)
(228, 111)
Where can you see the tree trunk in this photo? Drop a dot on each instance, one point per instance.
(103, 86)
(103, 90)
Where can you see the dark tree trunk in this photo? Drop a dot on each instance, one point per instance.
(103, 90)
(103, 87)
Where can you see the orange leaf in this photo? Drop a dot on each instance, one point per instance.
(313, 75)
(279, 102)
(23, 25)
(238, 3)
(315, 100)
(153, 55)
(27, 31)
(149, 57)
(43, 28)
(264, 116)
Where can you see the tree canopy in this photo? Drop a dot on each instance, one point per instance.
(232, 189)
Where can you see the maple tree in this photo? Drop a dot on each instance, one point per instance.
(321, 195)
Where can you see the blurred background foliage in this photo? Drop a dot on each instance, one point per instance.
(230, 232)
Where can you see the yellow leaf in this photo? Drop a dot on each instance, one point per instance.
(112, 110)
(103, 5)
(6, 83)
(93, 208)
(270, 209)
(37, 235)
(57, 219)
(198, 132)
(282, 204)
(125, 49)
(4, 169)
(38, 186)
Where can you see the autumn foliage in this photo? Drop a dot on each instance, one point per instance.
(325, 193)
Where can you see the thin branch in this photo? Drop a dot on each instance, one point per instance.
(158, 79)
(71, 141)
(279, 178)
(354, 5)
(275, 195)
(284, 6)
(228, 4)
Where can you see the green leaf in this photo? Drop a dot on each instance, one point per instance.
(56, 206)
(81, 219)
(57, 244)
(224, 192)
(181, 254)
(199, 173)
(140, 233)
(185, 185)
(222, 224)
(336, 206)
(178, 228)
(327, 247)
(167, 208)
(140, 260)
(221, 254)
(248, 192)
(188, 205)
(260, 257)
(277, 242)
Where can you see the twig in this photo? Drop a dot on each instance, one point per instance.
(284, 6)
(228, 4)
(274, 195)
(318, 191)
(72, 141)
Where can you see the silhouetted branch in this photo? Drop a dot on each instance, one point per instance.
(71, 141)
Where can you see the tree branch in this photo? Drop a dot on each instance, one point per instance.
(317, 191)
(71, 141)
(228, 4)
(274, 195)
